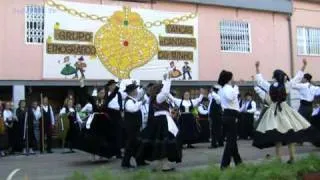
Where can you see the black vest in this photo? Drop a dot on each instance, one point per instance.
(203, 116)
(215, 109)
(183, 109)
(46, 115)
(133, 118)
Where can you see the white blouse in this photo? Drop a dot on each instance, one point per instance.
(229, 97)
(266, 85)
(63, 111)
(7, 117)
(186, 103)
(202, 110)
(132, 105)
(307, 91)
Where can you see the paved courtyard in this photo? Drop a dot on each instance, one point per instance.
(57, 166)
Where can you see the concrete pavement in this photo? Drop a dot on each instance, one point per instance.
(57, 166)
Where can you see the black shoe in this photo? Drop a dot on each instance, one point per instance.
(49, 152)
(190, 146)
(290, 161)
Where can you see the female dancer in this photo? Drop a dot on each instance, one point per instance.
(188, 125)
(230, 103)
(74, 123)
(96, 137)
(281, 124)
(161, 130)
(203, 110)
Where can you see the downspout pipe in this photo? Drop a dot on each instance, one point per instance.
(291, 45)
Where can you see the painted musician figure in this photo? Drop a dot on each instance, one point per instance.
(80, 65)
(49, 122)
(186, 69)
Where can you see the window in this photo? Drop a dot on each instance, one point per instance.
(34, 24)
(308, 41)
(235, 36)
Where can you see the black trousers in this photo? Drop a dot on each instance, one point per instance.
(231, 148)
(188, 73)
(13, 137)
(245, 125)
(306, 109)
(117, 129)
(216, 130)
(47, 134)
(132, 128)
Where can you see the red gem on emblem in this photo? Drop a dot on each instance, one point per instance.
(125, 43)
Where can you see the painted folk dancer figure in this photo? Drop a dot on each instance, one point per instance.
(132, 124)
(188, 126)
(186, 70)
(307, 93)
(114, 103)
(247, 108)
(49, 122)
(215, 115)
(281, 124)
(230, 103)
(203, 110)
(74, 123)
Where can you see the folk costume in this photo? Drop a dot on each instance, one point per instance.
(307, 93)
(96, 135)
(74, 126)
(215, 116)
(49, 122)
(132, 123)
(230, 104)
(159, 138)
(189, 130)
(11, 123)
(26, 125)
(204, 121)
(246, 120)
(114, 105)
(281, 124)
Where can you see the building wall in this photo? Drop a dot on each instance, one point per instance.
(269, 35)
(306, 14)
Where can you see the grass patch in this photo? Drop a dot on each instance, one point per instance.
(269, 170)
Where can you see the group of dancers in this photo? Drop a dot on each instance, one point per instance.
(157, 124)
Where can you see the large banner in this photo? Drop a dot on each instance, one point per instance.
(112, 42)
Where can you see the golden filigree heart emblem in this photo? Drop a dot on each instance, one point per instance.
(124, 43)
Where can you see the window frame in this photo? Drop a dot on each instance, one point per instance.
(25, 25)
(249, 33)
(305, 42)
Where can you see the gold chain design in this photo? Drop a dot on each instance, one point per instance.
(104, 19)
